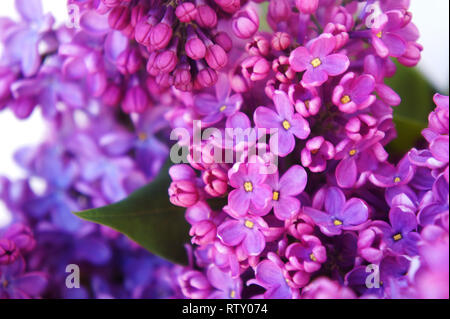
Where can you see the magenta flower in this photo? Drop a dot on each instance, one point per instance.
(316, 153)
(287, 123)
(245, 234)
(354, 93)
(385, 38)
(214, 108)
(387, 175)
(358, 158)
(8, 252)
(437, 206)
(339, 213)
(15, 283)
(183, 190)
(401, 236)
(307, 255)
(226, 286)
(317, 60)
(306, 100)
(371, 247)
(284, 191)
(270, 275)
(251, 191)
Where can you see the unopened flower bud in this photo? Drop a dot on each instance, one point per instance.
(281, 41)
(245, 23)
(135, 101)
(186, 12)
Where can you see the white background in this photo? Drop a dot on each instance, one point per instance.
(430, 16)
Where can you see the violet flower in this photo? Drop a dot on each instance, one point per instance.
(339, 213)
(284, 119)
(317, 60)
(214, 108)
(354, 93)
(227, 286)
(251, 191)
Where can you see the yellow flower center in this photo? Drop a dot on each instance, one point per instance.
(248, 186)
(223, 108)
(143, 136)
(316, 62)
(5, 283)
(286, 125)
(312, 257)
(276, 195)
(233, 294)
(397, 179)
(314, 152)
(352, 152)
(397, 237)
(337, 222)
(249, 224)
(379, 34)
(345, 99)
(307, 104)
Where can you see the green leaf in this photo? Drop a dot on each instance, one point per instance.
(148, 218)
(411, 116)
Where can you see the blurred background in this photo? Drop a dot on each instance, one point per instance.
(431, 18)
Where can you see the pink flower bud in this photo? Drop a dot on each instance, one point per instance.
(412, 54)
(142, 32)
(194, 284)
(339, 32)
(136, 100)
(22, 237)
(216, 57)
(111, 3)
(255, 68)
(160, 36)
(259, 46)
(119, 18)
(281, 41)
(206, 17)
(245, 23)
(166, 61)
(307, 6)
(203, 232)
(279, 10)
(164, 80)
(183, 78)
(216, 182)
(206, 78)
(8, 252)
(151, 64)
(183, 193)
(224, 40)
(129, 61)
(195, 48)
(137, 14)
(229, 6)
(112, 95)
(283, 70)
(186, 12)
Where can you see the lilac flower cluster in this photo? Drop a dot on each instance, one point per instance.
(335, 205)
(85, 162)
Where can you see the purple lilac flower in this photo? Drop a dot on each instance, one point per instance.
(215, 108)
(318, 61)
(251, 191)
(339, 213)
(284, 119)
(16, 283)
(354, 93)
